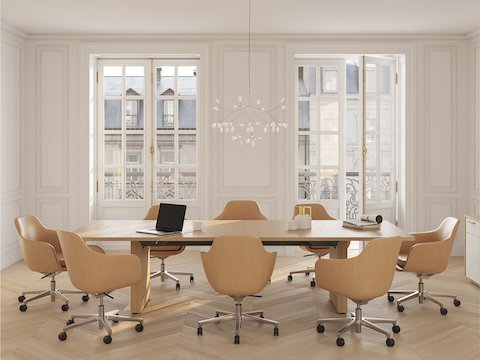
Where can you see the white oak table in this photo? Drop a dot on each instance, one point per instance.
(271, 232)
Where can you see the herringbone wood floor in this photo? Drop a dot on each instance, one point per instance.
(170, 325)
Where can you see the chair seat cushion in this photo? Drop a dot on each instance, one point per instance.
(321, 251)
(164, 251)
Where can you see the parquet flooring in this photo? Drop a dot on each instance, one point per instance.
(171, 322)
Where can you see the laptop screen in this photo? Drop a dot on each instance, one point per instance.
(170, 217)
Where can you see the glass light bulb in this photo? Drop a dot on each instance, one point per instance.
(258, 102)
(247, 141)
(240, 98)
(221, 129)
(217, 101)
(214, 125)
(282, 100)
(265, 129)
(234, 138)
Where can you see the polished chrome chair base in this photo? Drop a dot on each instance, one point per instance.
(357, 320)
(170, 274)
(101, 318)
(238, 316)
(53, 292)
(422, 295)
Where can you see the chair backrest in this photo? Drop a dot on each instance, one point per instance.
(241, 210)
(238, 265)
(39, 245)
(318, 212)
(433, 260)
(95, 272)
(152, 213)
(364, 277)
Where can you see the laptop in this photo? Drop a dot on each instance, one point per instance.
(169, 220)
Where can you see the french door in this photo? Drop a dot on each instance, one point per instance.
(147, 135)
(346, 121)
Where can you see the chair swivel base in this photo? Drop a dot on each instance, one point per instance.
(238, 316)
(422, 295)
(306, 272)
(357, 320)
(102, 318)
(170, 275)
(53, 292)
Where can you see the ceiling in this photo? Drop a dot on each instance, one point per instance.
(68, 17)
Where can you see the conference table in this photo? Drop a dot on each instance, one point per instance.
(271, 232)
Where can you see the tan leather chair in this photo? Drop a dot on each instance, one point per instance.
(162, 252)
(98, 274)
(318, 213)
(238, 266)
(241, 210)
(361, 279)
(427, 255)
(42, 253)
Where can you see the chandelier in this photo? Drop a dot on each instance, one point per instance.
(246, 118)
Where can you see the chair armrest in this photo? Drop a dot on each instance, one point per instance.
(429, 257)
(419, 237)
(40, 256)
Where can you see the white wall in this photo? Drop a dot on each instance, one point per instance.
(13, 174)
(437, 116)
(474, 150)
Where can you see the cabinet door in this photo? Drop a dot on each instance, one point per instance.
(472, 257)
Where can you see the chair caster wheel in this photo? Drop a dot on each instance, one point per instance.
(390, 298)
(312, 283)
(23, 308)
(396, 329)
(320, 328)
(199, 331)
(139, 327)
(65, 307)
(177, 286)
(275, 331)
(70, 321)
(307, 274)
(62, 336)
(443, 311)
(390, 342)
(456, 302)
(114, 321)
(289, 278)
(261, 316)
(21, 298)
(400, 308)
(107, 339)
(85, 298)
(192, 279)
(340, 342)
(237, 339)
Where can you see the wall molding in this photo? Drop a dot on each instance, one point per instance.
(53, 219)
(42, 101)
(429, 53)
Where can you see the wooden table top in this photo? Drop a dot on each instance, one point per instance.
(271, 232)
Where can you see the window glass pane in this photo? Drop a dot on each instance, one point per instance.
(134, 184)
(307, 185)
(187, 149)
(370, 78)
(112, 80)
(165, 149)
(134, 151)
(187, 184)
(370, 187)
(308, 116)
(307, 150)
(134, 114)
(307, 80)
(385, 186)
(385, 79)
(329, 150)
(112, 184)
(166, 80)
(370, 140)
(165, 184)
(165, 114)
(187, 80)
(328, 115)
(385, 115)
(134, 81)
(113, 149)
(386, 160)
(352, 135)
(113, 114)
(328, 184)
(352, 77)
(371, 114)
(329, 79)
(187, 114)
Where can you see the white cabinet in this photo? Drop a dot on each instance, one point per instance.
(472, 249)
